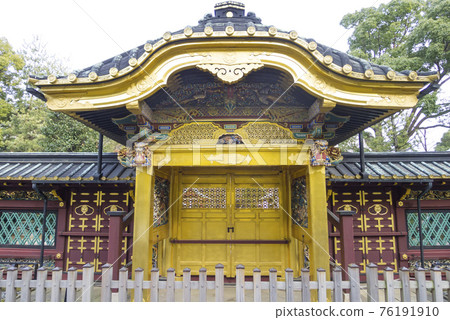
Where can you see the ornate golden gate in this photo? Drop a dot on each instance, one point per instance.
(231, 217)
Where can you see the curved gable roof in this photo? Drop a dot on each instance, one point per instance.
(232, 15)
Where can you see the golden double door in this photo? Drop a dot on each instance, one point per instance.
(231, 218)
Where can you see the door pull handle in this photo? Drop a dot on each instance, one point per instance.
(230, 229)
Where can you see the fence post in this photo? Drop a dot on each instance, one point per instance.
(240, 280)
(138, 285)
(447, 277)
(273, 285)
(25, 290)
(289, 284)
(170, 291)
(355, 286)
(337, 285)
(436, 277)
(321, 285)
(372, 282)
(388, 275)
(87, 282)
(421, 291)
(123, 279)
(405, 292)
(202, 284)
(154, 291)
(187, 285)
(71, 289)
(256, 285)
(41, 291)
(56, 285)
(306, 290)
(219, 283)
(107, 271)
(1, 278)
(11, 277)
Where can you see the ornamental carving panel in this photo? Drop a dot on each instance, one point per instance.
(299, 202)
(230, 74)
(204, 198)
(257, 198)
(161, 202)
(267, 131)
(230, 67)
(193, 131)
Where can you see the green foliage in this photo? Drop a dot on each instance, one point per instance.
(64, 134)
(405, 35)
(23, 131)
(29, 126)
(10, 65)
(444, 144)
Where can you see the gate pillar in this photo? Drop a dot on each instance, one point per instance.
(143, 221)
(318, 231)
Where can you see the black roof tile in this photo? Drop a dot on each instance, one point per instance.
(240, 22)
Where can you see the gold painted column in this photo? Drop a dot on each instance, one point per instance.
(143, 220)
(318, 221)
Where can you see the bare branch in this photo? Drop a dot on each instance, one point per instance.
(435, 126)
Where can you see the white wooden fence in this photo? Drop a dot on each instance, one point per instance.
(401, 289)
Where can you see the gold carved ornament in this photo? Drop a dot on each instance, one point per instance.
(230, 74)
(230, 67)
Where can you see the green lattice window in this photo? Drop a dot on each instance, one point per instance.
(435, 228)
(24, 228)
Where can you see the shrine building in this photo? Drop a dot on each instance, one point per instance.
(228, 131)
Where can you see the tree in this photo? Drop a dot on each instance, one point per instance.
(406, 35)
(10, 65)
(30, 126)
(444, 144)
(64, 134)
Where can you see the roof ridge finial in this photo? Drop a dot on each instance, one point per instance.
(229, 9)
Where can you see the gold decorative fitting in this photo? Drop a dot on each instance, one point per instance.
(405, 256)
(148, 47)
(72, 77)
(312, 46)
(328, 60)
(347, 68)
(230, 66)
(230, 73)
(229, 30)
(188, 31)
(369, 73)
(58, 256)
(113, 72)
(293, 35)
(51, 78)
(93, 76)
(273, 31)
(208, 31)
(61, 204)
(251, 30)
(390, 74)
(167, 36)
(133, 62)
(400, 203)
(412, 75)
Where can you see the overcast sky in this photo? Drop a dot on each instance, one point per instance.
(85, 32)
(90, 31)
